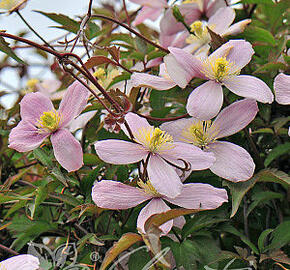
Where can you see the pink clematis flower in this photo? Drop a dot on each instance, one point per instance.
(115, 195)
(160, 152)
(151, 10)
(40, 120)
(222, 67)
(23, 262)
(192, 10)
(232, 161)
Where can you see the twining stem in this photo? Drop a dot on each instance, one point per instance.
(163, 119)
(132, 31)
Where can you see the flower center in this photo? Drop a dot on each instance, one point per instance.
(148, 188)
(49, 121)
(105, 79)
(220, 68)
(154, 139)
(32, 83)
(200, 133)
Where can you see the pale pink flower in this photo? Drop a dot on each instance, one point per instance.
(115, 195)
(40, 120)
(49, 88)
(151, 10)
(158, 150)
(192, 10)
(232, 162)
(23, 262)
(282, 88)
(222, 67)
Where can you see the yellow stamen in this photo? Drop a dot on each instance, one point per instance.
(198, 28)
(32, 83)
(49, 121)
(99, 73)
(200, 133)
(154, 139)
(219, 69)
(148, 188)
(2, 267)
(105, 79)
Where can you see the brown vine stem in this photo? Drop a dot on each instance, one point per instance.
(163, 119)
(9, 250)
(132, 31)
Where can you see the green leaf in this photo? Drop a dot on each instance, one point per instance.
(274, 66)
(274, 175)
(238, 191)
(41, 195)
(42, 155)
(4, 47)
(255, 1)
(66, 22)
(262, 239)
(263, 197)
(280, 236)
(69, 199)
(277, 152)
(254, 33)
(91, 160)
(139, 258)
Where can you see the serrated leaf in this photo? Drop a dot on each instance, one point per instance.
(238, 191)
(42, 155)
(126, 241)
(274, 175)
(4, 47)
(66, 22)
(277, 152)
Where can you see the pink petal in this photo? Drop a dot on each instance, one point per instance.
(211, 7)
(250, 87)
(233, 50)
(175, 128)
(175, 71)
(237, 28)
(156, 82)
(179, 222)
(233, 162)
(205, 101)
(200, 196)
(156, 4)
(67, 150)
(155, 206)
(23, 262)
(136, 123)
(33, 105)
(219, 26)
(73, 102)
(163, 177)
(235, 117)
(188, 62)
(115, 195)
(282, 88)
(25, 137)
(198, 159)
(120, 152)
(147, 13)
(48, 87)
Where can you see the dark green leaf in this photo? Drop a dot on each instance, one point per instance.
(4, 47)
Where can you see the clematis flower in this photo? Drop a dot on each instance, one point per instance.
(159, 152)
(23, 262)
(232, 162)
(222, 27)
(151, 10)
(191, 10)
(115, 195)
(222, 67)
(40, 120)
(12, 5)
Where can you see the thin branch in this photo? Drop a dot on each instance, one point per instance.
(9, 250)
(163, 119)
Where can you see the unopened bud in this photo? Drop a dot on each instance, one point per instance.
(177, 14)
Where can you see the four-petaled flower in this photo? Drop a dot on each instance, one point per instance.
(23, 262)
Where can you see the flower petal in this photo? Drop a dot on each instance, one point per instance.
(25, 137)
(237, 28)
(67, 150)
(205, 101)
(136, 122)
(23, 262)
(191, 64)
(156, 82)
(163, 177)
(235, 117)
(219, 26)
(200, 196)
(282, 88)
(147, 13)
(233, 162)
(33, 105)
(198, 159)
(155, 206)
(250, 87)
(73, 102)
(115, 195)
(119, 152)
(81, 121)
